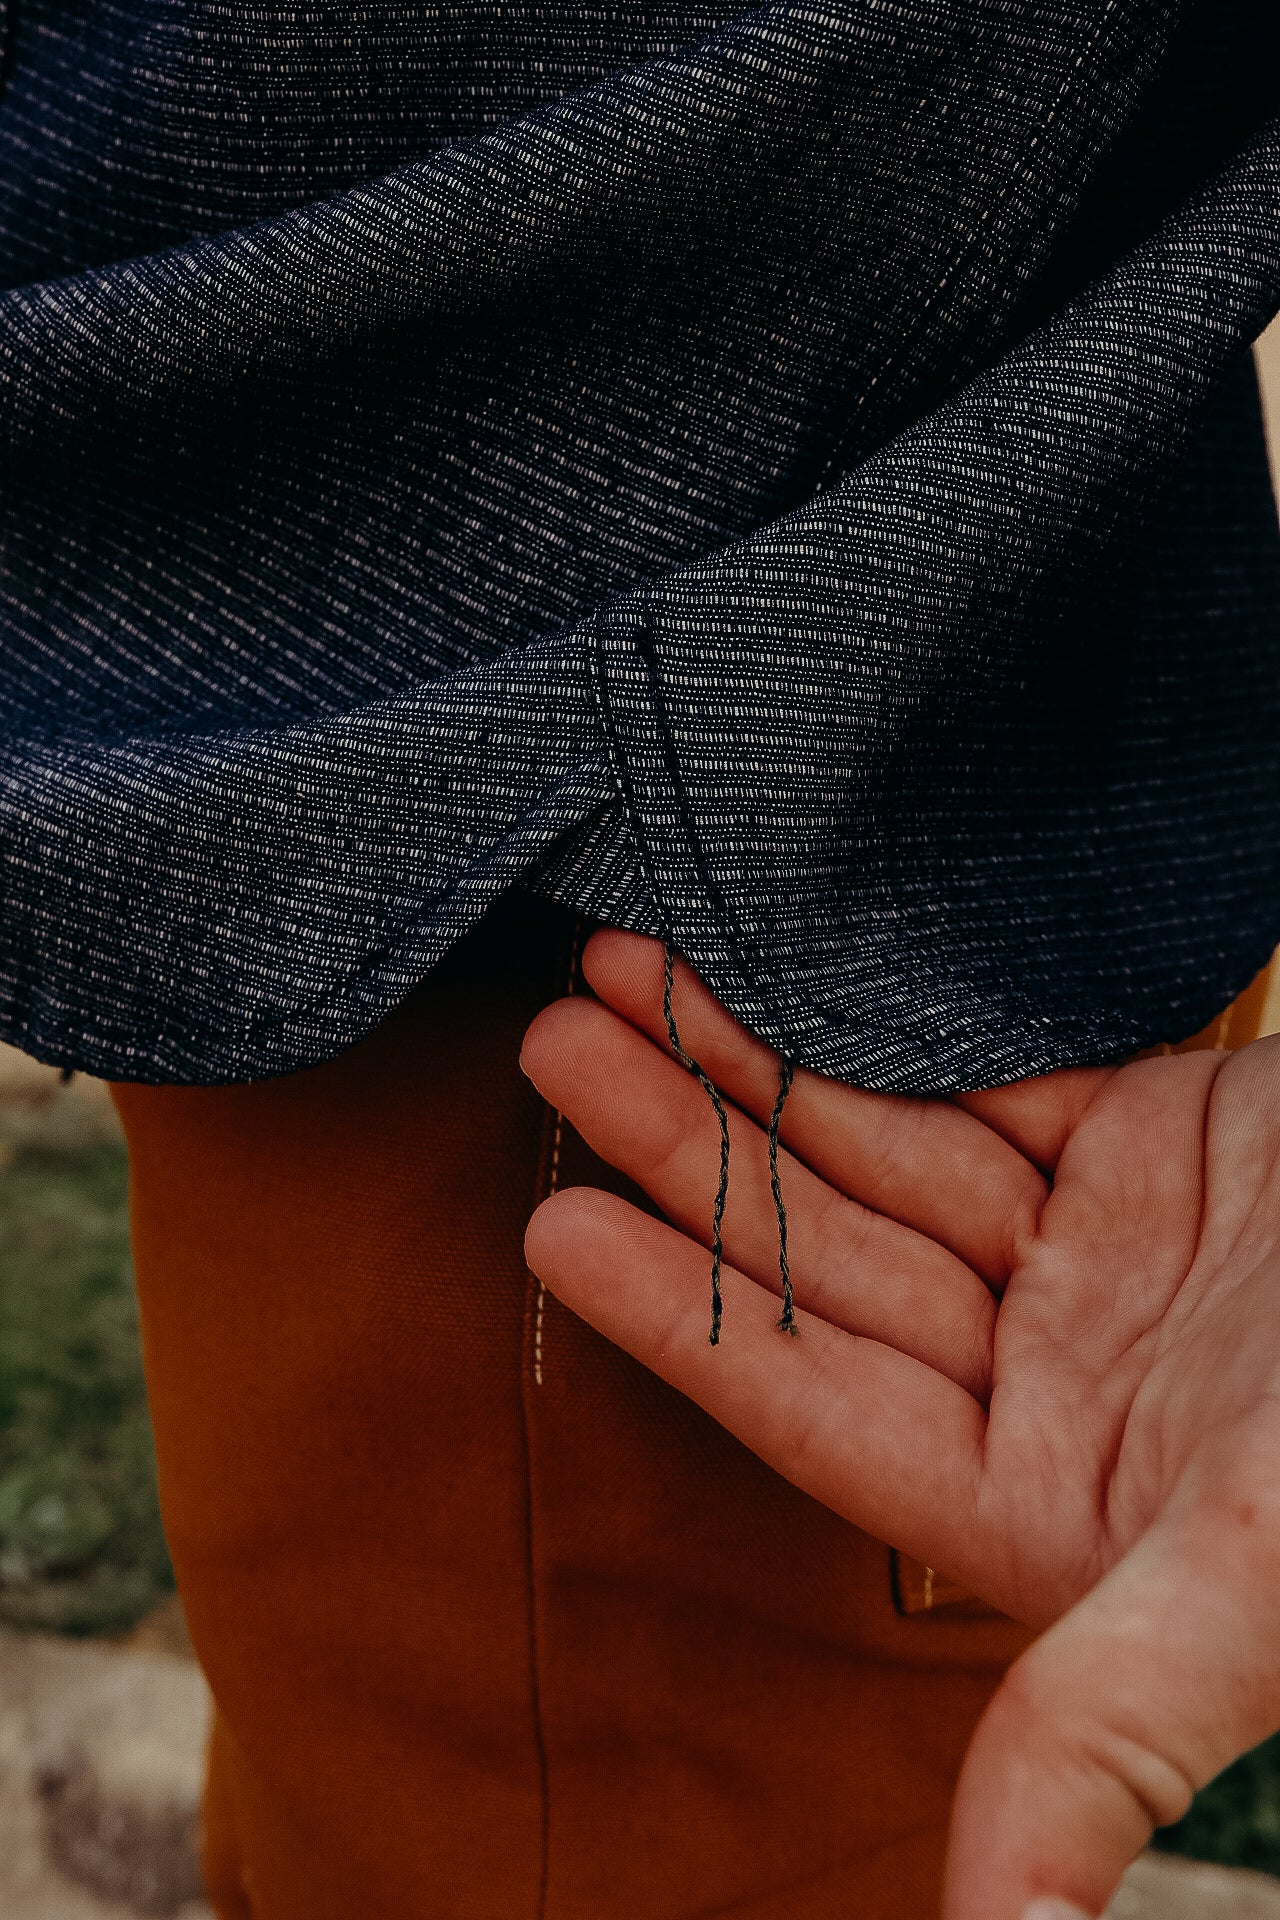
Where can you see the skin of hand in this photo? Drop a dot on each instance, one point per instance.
(1039, 1350)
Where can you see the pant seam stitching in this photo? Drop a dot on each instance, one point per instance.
(553, 1169)
(547, 1181)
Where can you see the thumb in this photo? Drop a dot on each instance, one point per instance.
(1157, 1679)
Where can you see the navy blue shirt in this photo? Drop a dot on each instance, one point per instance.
(788, 480)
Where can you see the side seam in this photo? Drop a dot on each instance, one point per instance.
(549, 1161)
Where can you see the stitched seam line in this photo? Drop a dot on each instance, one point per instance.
(553, 1167)
(540, 1305)
(535, 1686)
(548, 1176)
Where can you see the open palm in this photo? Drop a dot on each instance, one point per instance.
(1039, 1350)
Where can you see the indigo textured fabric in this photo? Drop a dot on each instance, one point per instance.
(790, 479)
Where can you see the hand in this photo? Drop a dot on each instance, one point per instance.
(1039, 1350)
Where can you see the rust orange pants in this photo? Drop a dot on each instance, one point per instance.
(498, 1626)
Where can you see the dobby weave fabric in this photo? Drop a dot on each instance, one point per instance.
(791, 480)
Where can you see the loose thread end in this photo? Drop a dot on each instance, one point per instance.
(787, 1324)
(786, 1073)
(717, 1297)
(712, 1092)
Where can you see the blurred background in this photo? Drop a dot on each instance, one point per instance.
(103, 1714)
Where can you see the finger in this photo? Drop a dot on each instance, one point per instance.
(1037, 1117)
(877, 1436)
(1161, 1676)
(923, 1163)
(648, 1117)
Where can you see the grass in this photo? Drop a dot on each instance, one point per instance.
(1236, 1820)
(81, 1546)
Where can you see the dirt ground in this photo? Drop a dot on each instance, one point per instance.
(100, 1759)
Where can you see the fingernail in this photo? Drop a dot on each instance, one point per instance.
(1053, 1909)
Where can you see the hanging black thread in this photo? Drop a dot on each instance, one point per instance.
(786, 1073)
(712, 1092)
(787, 1324)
